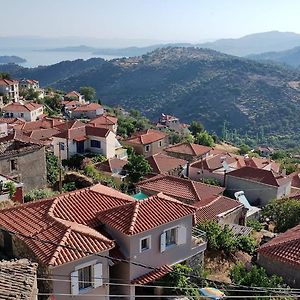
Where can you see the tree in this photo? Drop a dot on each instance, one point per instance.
(285, 213)
(88, 92)
(256, 276)
(204, 138)
(4, 75)
(196, 127)
(244, 149)
(11, 188)
(52, 168)
(137, 167)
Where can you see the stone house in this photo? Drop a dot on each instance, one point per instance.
(28, 111)
(87, 111)
(260, 186)
(74, 234)
(280, 256)
(148, 142)
(188, 151)
(211, 204)
(73, 95)
(4, 192)
(10, 89)
(24, 161)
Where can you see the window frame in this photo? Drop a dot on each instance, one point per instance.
(13, 162)
(175, 236)
(147, 148)
(148, 238)
(83, 282)
(97, 142)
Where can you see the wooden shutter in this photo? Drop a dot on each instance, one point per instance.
(163, 242)
(98, 274)
(181, 235)
(74, 283)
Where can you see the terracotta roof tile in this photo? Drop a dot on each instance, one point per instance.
(87, 107)
(18, 107)
(153, 275)
(146, 137)
(110, 165)
(259, 175)
(104, 120)
(161, 163)
(189, 149)
(179, 188)
(141, 215)
(64, 220)
(284, 248)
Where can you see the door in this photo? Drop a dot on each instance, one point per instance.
(80, 147)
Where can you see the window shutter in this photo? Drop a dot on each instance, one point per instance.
(181, 235)
(74, 283)
(163, 242)
(98, 274)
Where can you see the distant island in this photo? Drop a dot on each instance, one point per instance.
(11, 59)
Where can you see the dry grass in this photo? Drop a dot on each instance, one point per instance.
(227, 148)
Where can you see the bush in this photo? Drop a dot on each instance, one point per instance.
(11, 188)
(74, 162)
(37, 194)
(255, 224)
(70, 186)
(52, 168)
(246, 244)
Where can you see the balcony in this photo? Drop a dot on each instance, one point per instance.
(198, 243)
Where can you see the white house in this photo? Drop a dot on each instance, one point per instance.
(10, 89)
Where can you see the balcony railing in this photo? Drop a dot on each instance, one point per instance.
(198, 237)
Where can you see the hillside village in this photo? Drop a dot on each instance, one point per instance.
(98, 200)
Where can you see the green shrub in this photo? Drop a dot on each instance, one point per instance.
(37, 194)
(255, 224)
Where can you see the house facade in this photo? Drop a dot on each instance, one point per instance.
(260, 186)
(10, 89)
(148, 142)
(24, 162)
(29, 111)
(87, 111)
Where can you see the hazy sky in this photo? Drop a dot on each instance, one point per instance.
(168, 20)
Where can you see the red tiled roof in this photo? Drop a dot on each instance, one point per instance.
(18, 107)
(259, 175)
(217, 206)
(88, 107)
(70, 125)
(12, 121)
(44, 123)
(284, 248)
(19, 136)
(142, 215)
(161, 163)
(153, 275)
(72, 94)
(8, 82)
(110, 165)
(104, 120)
(189, 149)
(295, 179)
(42, 134)
(179, 188)
(146, 137)
(64, 220)
(214, 162)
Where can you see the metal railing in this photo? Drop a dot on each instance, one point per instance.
(198, 236)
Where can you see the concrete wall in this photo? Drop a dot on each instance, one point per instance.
(31, 168)
(61, 287)
(236, 216)
(26, 115)
(193, 174)
(290, 274)
(258, 194)
(87, 114)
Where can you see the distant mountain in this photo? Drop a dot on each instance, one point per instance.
(256, 43)
(290, 57)
(5, 59)
(253, 98)
(50, 74)
(81, 48)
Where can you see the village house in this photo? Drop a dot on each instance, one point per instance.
(164, 164)
(10, 124)
(73, 95)
(112, 167)
(260, 186)
(23, 160)
(106, 121)
(29, 111)
(211, 204)
(280, 256)
(9, 89)
(80, 138)
(173, 123)
(148, 142)
(18, 280)
(188, 151)
(31, 84)
(85, 227)
(265, 151)
(86, 111)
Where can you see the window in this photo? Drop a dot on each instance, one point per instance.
(95, 144)
(147, 148)
(171, 237)
(85, 277)
(159, 143)
(145, 243)
(22, 115)
(13, 165)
